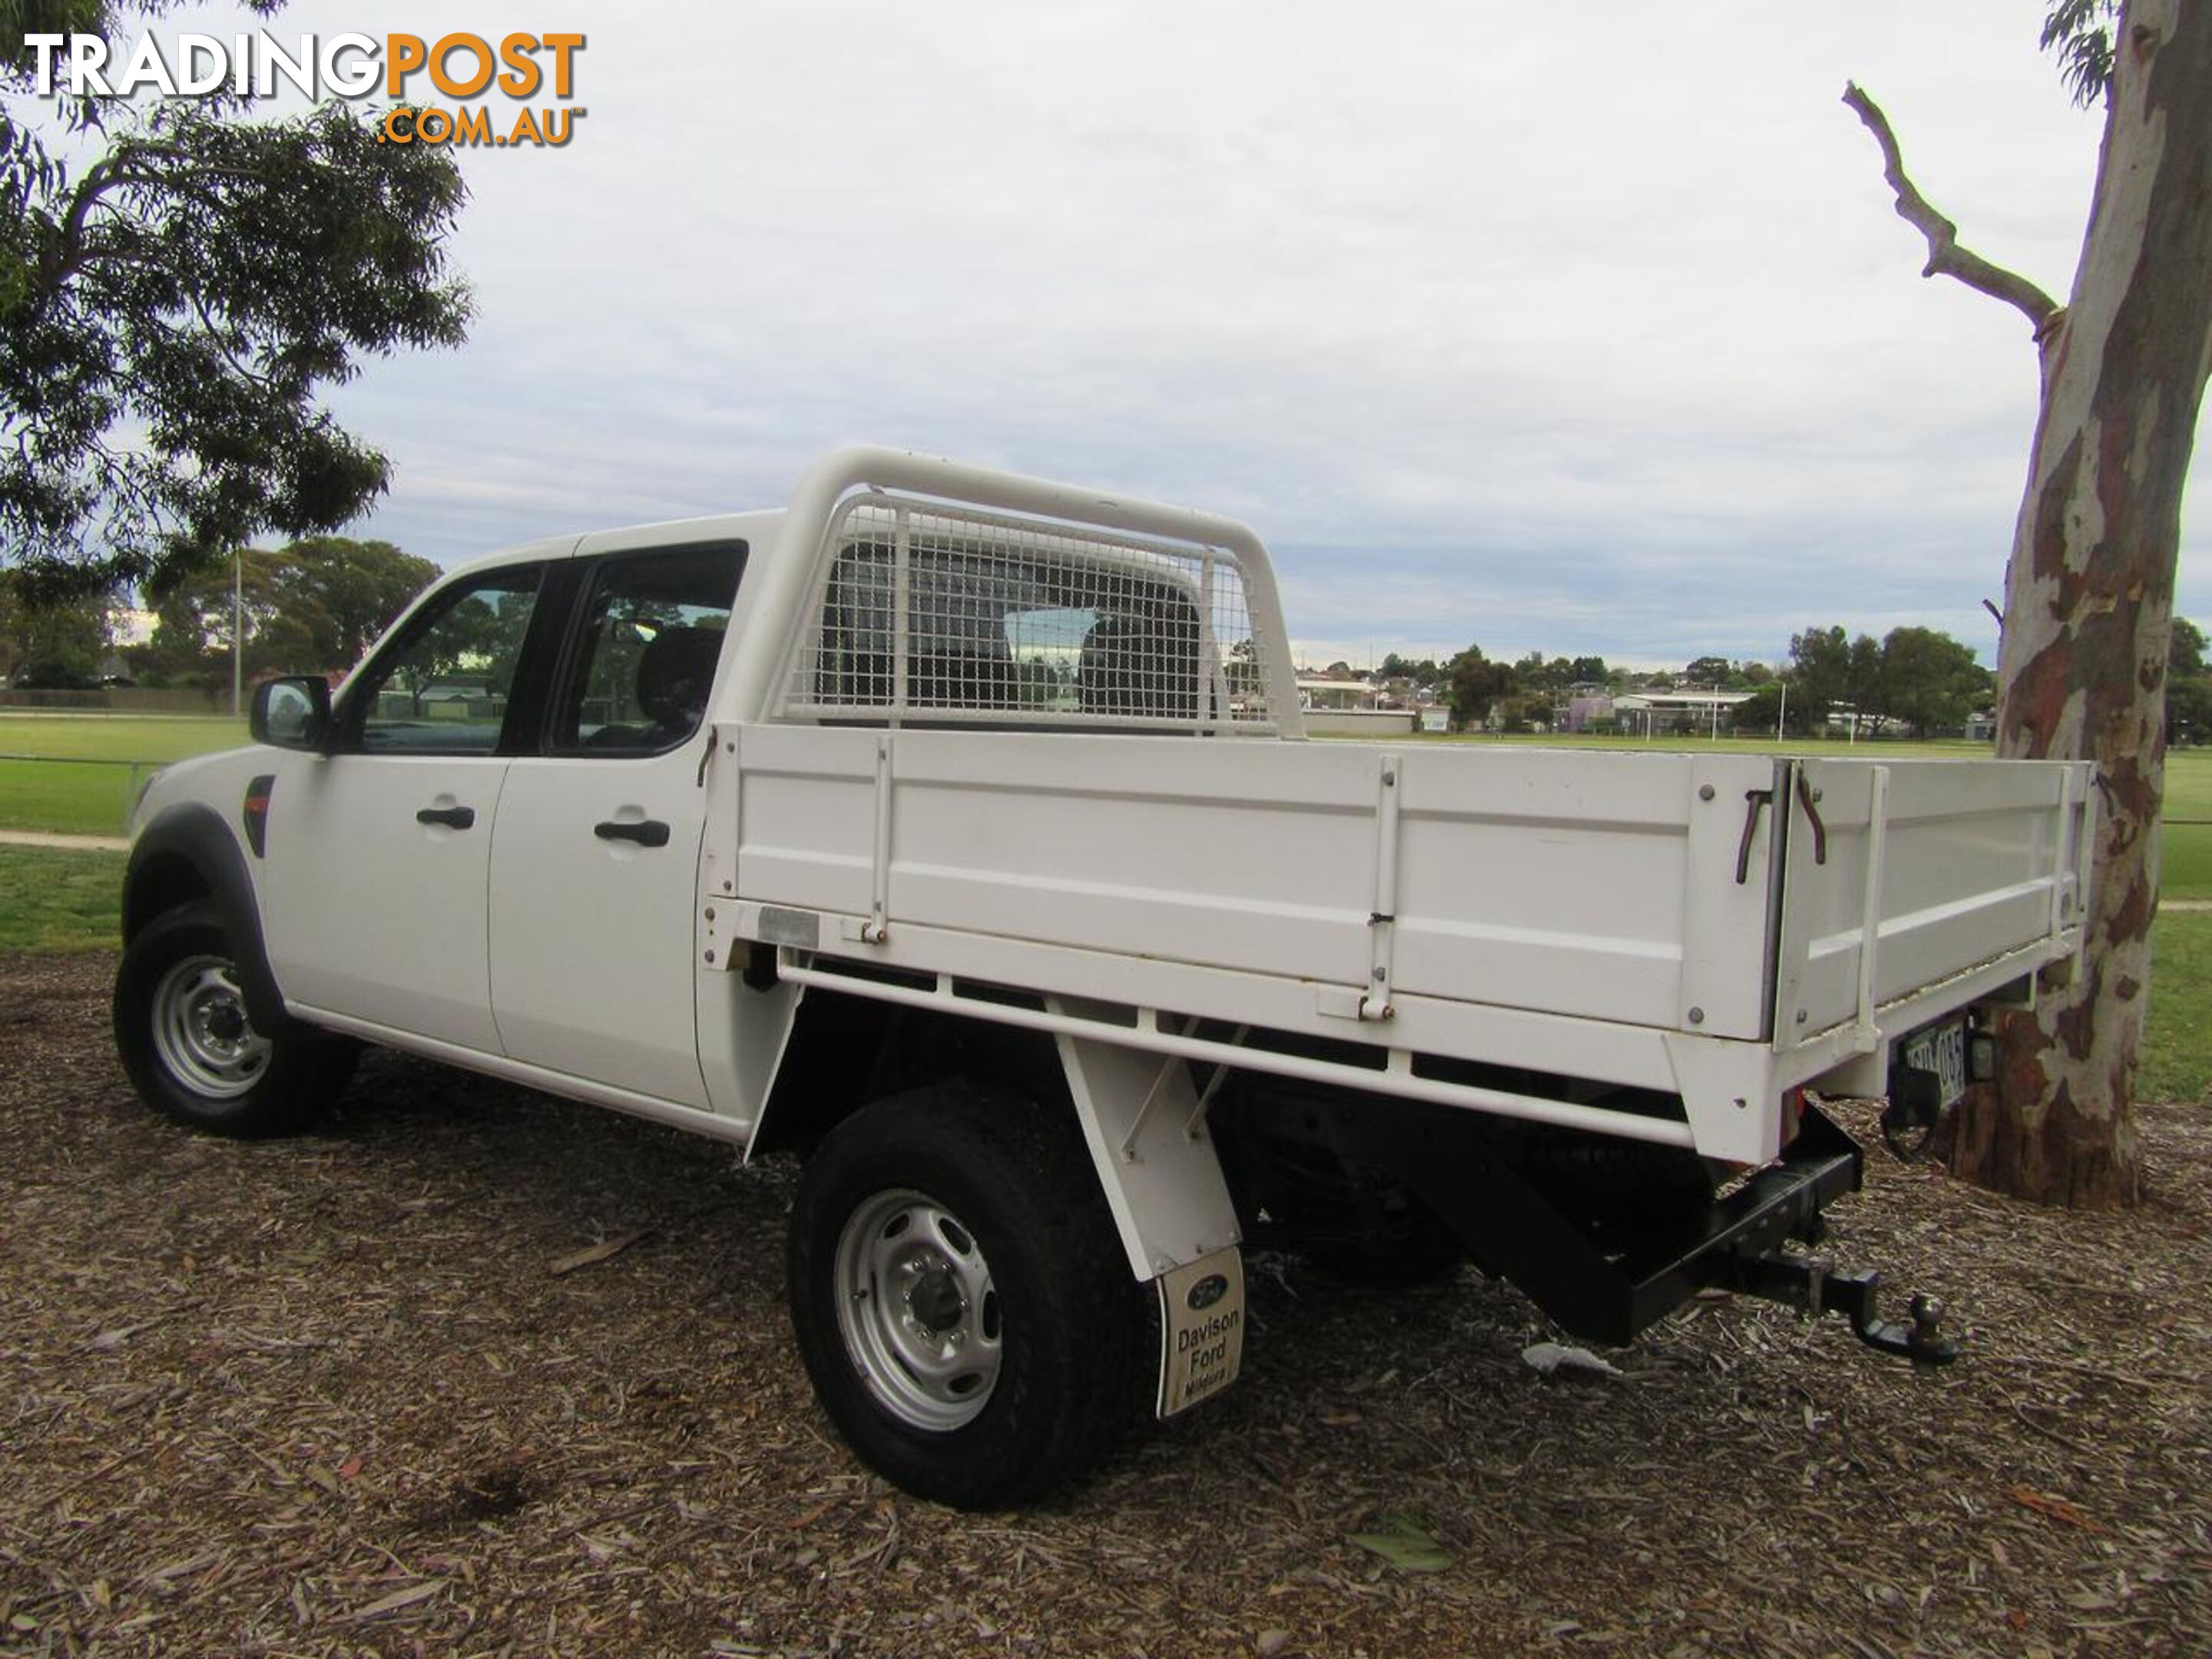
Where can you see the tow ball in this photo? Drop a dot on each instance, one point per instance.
(1812, 1286)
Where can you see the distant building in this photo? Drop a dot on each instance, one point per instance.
(1585, 709)
(1653, 712)
(1317, 691)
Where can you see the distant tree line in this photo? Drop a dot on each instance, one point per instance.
(2188, 685)
(1914, 679)
(312, 607)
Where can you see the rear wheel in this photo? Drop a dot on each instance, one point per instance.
(182, 1030)
(961, 1298)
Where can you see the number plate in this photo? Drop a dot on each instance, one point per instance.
(1201, 1329)
(1942, 1049)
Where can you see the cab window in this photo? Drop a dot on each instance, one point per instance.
(643, 654)
(443, 687)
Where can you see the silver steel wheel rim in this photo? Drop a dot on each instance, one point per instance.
(918, 1309)
(201, 1032)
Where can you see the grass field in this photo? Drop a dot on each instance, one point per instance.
(117, 736)
(88, 767)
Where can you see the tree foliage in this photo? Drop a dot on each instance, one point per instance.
(52, 646)
(1928, 681)
(2184, 650)
(2079, 33)
(1914, 677)
(1760, 712)
(1474, 684)
(2188, 686)
(172, 310)
(314, 607)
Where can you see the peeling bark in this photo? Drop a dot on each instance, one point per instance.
(2089, 602)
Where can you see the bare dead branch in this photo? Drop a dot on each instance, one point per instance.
(1945, 257)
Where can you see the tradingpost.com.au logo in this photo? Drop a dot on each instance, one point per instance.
(461, 67)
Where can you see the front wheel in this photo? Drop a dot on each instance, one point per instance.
(961, 1298)
(185, 1037)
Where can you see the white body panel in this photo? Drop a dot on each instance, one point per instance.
(1576, 913)
(1526, 880)
(374, 914)
(592, 969)
(1959, 859)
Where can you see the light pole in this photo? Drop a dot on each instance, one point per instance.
(1781, 719)
(238, 633)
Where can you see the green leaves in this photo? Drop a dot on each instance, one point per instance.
(2079, 33)
(173, 311)
(316, 606)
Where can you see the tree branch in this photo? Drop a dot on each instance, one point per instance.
(1945, 257)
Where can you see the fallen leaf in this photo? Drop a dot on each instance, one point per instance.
(2058, 1508)
(1404, 1544)
(398, 1600)
(600, 1251)
(1550, 1358)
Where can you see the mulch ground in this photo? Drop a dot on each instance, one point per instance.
(330, 1396)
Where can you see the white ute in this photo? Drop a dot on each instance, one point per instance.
(956, 832)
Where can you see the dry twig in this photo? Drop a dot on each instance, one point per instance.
(1945, 257)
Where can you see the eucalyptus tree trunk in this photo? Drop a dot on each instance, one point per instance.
(2090, 590)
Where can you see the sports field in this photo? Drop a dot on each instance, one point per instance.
(80, 774)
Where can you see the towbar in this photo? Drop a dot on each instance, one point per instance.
(1812, 1286)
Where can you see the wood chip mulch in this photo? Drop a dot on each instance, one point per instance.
(471, 1371)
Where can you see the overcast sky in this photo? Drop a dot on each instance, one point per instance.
(1584, 330)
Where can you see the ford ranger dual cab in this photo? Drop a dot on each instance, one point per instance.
(956, 832)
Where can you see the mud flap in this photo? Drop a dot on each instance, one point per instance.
(1201, 1329)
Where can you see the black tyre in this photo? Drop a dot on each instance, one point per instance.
(182, 1031)
(961, 1297)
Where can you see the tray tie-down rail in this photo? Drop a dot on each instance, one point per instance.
(1607, 1289)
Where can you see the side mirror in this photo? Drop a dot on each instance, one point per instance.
(292, 713)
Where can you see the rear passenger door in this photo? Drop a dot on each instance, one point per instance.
(595, 851)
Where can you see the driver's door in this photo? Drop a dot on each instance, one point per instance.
(379, 853)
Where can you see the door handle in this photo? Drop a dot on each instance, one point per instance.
(454, 817)
(650, 832)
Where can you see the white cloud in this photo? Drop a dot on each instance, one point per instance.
(1580, 330)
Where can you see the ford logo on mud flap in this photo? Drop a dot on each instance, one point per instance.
(1207, 1291)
